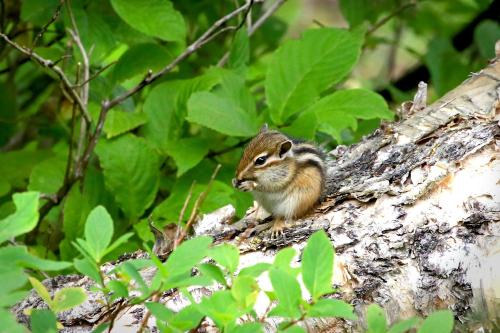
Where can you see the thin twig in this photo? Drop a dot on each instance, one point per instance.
(84, 89)
(72, 132)
(396, 12)
(260, 21)
(183, 211)
(391, 59)
(49, 64)
(54, 17)
(196, 207)
(96, 74)
(146, 317)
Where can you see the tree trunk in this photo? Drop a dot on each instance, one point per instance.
(412, 211)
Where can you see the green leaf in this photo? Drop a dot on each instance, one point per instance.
(131, 271)
(48, 176)
(24, 219)
(245, 291)
(341, 110)
(317, 265)
(12, 298)
(438, 322)
(187, 153)
(187, 255)
(16, 166)
(248, 328)
(38, 12)
(159, 311)
(485, 35)
(95, 33)
(88, 268)
(188, 318)
(287, 291)
(301, 69)
(10, 324)
(130, 171)
(119, 122)
(239, 54)
(233, 87)
(220, 307)
(98, 232)
(156, 18)
(19, 256)
(303, 127)
(255, 270)
(43, 321)
(12, 279)
(68, 298)
(139, 59)
(375, 319)
(166, 106)
(4, 187)
(359, 11)
(404, 325)
(78, 204)
(213, 272)
(283, 260)
(327, 307)
(226, 255)
(118, 288)
(220, 114)
(121, 240)
(41, 291)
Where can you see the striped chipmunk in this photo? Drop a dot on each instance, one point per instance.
(285, 176)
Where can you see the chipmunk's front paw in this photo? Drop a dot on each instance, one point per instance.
(277, 230)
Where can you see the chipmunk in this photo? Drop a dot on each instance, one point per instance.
(285, 176)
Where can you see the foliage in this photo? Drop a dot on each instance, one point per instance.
(314, 81)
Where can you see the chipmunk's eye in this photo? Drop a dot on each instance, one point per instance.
(260, 160)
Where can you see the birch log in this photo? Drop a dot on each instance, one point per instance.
(413, 211)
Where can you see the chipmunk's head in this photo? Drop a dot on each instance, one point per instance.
(266, 164)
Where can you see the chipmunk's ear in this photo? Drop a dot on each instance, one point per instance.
(264, 128)
(284, 148)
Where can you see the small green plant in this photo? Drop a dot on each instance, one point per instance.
(438, 322)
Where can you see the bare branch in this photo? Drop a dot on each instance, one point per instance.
(196, 208)
(96, 74)
(52, 20)
(84, 89)
(183, 211)
(49, 64)
(260, 21)
(72, 132)
(396, 12)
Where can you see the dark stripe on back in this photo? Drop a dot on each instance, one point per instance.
(304, 150)
(313, 163)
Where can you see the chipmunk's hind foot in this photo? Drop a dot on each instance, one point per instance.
(278, 227)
